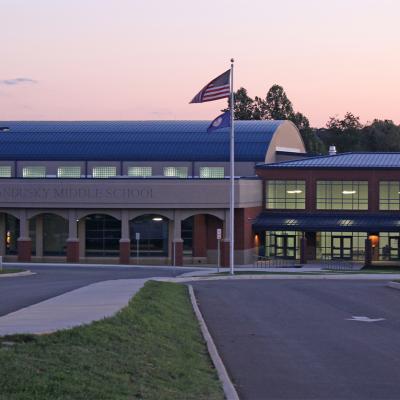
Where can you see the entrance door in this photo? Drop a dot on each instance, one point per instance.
(285, 246)
(394, 248)
(342, 247)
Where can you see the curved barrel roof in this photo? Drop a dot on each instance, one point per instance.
(133, 140)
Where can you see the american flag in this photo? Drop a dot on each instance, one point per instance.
(218, 88)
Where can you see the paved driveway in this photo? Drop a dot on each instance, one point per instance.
(52, 280)
(292, 339)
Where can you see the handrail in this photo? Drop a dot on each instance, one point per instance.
(268, 262)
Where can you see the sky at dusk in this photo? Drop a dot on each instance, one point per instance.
(146, 59)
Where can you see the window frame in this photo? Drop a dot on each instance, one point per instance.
(26, 168)
(218, 172)
(104, 167)
(277, 196)
(330, 195)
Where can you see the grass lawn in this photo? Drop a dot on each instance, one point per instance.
(152, 349)
(11, 270)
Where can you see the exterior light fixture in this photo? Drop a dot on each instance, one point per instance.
(297, 191)
(374, 240)
(157, 219)
(349, 191)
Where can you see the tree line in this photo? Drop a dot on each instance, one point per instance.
(347, 134)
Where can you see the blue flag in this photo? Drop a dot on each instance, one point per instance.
(222, 121)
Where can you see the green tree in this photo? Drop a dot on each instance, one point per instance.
(278, 106)
(380, 136)
(349, 122)
(244, 105)
(344, 133)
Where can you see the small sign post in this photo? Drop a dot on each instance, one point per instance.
(219, 237)
(137, 235)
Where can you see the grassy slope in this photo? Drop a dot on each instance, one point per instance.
(11, 270)
(152, 349)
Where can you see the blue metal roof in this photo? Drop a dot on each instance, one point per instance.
(343, 160)
(133, 140)
(318, 222)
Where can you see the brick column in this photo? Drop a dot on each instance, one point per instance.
(72, 241)
(178, 244)
(225, 242)
(124, 242)
(225, 246)
(24, 241)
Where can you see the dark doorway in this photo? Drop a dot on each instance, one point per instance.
(342, 248)
(285, 246)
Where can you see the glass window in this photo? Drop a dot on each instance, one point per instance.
(153, 231)
(104, 172)
(340, 245)
(286, 195)
(55, 234)
(69, 172)
(282, 244)
(389, 246)
(176, 172)
(212, 172)
(389, 195)
(12, 234)
(5, 171)
(34, 172)
(342, 195)
(140, 171)
(187, 235)
(102, 235)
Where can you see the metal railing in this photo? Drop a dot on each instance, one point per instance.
(266, 262)
(339, 264)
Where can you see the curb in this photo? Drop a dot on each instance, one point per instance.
(186, 279)
(16, 274)
(227, 385)
(394, 285)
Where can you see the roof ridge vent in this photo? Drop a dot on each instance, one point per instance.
(332, 150)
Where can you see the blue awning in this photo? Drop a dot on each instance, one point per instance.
(318, 222)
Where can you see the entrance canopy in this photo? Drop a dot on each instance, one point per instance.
(330, 222)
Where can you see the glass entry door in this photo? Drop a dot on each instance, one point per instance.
(342, 247)
(394, 248)
(285, 246)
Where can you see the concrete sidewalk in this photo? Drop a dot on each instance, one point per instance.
(80, 306)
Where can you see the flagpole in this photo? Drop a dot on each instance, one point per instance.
(232, 179)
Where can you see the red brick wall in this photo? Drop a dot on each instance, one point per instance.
(311, 176)
(244, 219)
(199, 236)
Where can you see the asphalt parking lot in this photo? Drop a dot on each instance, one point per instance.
(306, 339)
(53, 280)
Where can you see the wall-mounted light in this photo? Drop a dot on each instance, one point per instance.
(349, 192)
(374, 240)
(297, 191)
(157, 219)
